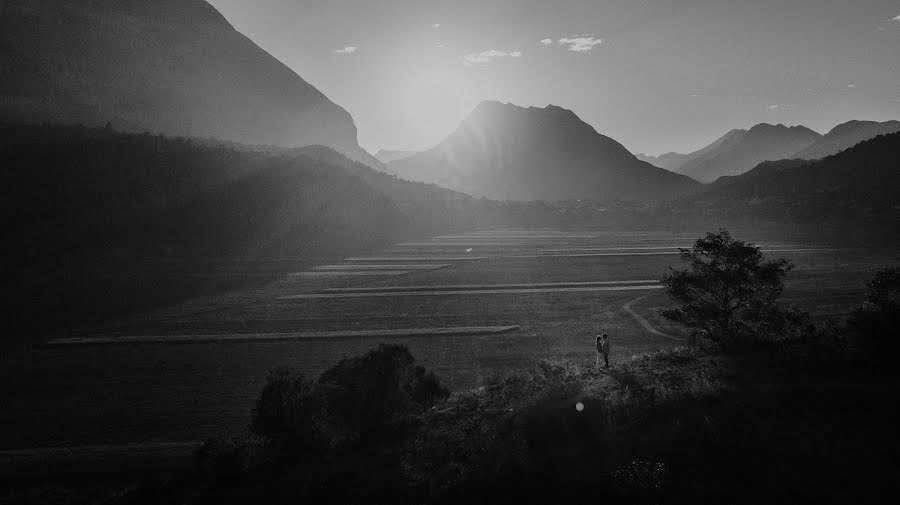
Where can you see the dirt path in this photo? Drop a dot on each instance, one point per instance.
(646, 324)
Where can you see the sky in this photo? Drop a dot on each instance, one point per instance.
(656, 75)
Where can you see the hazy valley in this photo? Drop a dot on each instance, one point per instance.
(214, 294)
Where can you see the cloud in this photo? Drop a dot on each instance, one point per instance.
(547, 42)
(897, 18)
(488, 56)
(346, 50)
(581, 43)
(774, 106)
(851, 85)
(436, 25)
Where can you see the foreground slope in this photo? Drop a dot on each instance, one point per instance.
(845, 136)
(506, 152)
(170, 66)
(741, 150)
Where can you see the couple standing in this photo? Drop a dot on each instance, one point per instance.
(603, 349)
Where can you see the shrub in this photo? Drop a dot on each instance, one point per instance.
(877, 319)
(358, 398)
(227, 459)
(368, 394)
(291, 411)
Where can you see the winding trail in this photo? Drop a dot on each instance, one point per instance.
(646, 324)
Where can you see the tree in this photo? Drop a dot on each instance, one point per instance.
(729, 290)
(877, 320)
(359, 398)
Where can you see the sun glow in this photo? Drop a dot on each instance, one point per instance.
(436, 100)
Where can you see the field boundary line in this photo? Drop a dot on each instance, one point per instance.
(459, 287)
(468, 292)
(643, 321)
(453, 331)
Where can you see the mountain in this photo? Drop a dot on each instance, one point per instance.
(668, 161)
(846, 135)
(168, 66)
(858, 184)
(385, 156)
(71, 189)
(674, 161)
(506, 152)
(740, 150)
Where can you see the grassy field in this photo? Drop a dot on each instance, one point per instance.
(151, 392)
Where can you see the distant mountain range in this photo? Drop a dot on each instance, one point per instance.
(506, 152)
(738, 151)
(168, 66)
(669, 161)
(859, 183)
(845, 136)
(386, 156)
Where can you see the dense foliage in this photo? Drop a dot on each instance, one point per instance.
(359, 398)
(729, 291)
(878, 319)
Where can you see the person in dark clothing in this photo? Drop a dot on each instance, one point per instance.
(603, 349)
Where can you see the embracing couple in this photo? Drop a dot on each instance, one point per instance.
(603, 349)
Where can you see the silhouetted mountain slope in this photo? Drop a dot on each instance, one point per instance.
(858, 183)
(385, 156)
(506, 152)
(168, 66)
(97, 224)
(845, 136)
(68, 190)
(740, 150)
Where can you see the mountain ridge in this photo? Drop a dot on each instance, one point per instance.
(847, 135)
(740, 150)
(855, 183)
(171, 67)
(507, 152)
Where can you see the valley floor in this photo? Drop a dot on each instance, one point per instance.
(557, 288)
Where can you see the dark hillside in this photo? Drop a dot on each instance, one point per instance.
(175, 67)
(99, 222)
(859, 182)
(852, 193)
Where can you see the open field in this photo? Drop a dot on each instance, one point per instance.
(558, 289)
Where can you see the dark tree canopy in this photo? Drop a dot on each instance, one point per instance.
(358, 398)
(729, 290)
(877, 320)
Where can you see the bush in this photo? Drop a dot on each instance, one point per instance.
(358, 398)
(226, 460)
(370, 393)
(291, 411)
(877, 320)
